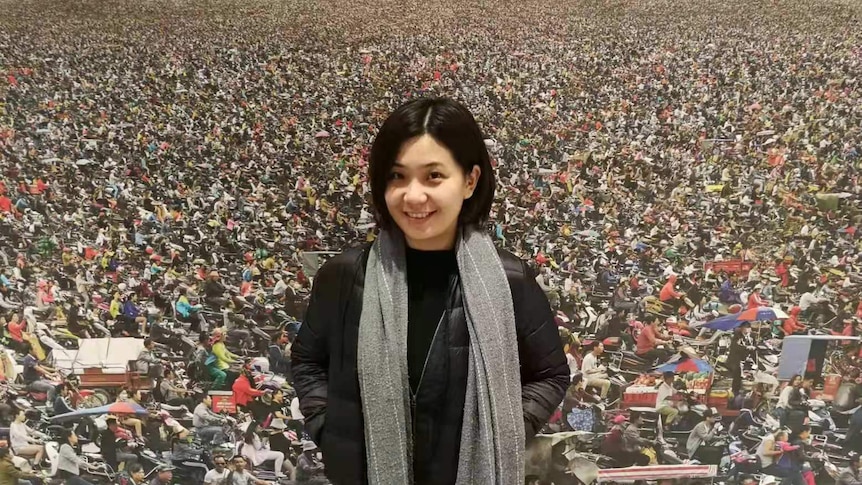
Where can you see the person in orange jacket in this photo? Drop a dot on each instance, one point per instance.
(668, 292)
(792, 326)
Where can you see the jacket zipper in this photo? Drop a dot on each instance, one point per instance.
(414, 395)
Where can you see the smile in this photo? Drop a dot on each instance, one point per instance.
(419, 215)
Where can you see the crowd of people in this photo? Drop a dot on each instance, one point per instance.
(154, 155)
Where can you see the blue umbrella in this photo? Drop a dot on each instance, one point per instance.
(113, 408)
(726, 323)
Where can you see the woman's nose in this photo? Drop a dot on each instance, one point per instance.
(415, 193)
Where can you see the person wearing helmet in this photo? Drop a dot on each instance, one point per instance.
(243, 389)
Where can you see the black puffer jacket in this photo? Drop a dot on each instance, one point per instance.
(326, 379)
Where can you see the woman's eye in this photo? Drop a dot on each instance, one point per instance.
(395, 176)
(435, 175)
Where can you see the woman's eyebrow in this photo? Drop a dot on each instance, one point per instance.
(431, 164)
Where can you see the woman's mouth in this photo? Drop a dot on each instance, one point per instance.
(419, 215)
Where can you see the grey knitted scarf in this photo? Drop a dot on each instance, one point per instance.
(492, 437)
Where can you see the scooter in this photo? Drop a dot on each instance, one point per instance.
(177, 341)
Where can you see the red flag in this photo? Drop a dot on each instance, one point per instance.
(437, 75)
(12, 81)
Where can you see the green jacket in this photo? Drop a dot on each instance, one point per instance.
(9, 475)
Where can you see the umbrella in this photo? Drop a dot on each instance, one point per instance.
(762, 314)
(121, 407)
(685, 365)
(726, 323)
(322, 134)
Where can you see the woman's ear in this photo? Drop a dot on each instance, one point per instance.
(472, 181)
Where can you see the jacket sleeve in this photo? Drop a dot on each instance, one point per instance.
(544, 371)
(846, 477)
(310, 350)
(222, 354)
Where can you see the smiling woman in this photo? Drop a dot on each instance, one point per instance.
(429, 162)
(429, 356)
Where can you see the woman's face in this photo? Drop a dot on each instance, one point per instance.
(426, 191)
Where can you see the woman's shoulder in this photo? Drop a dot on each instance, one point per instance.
(516, 268)
(343, 261)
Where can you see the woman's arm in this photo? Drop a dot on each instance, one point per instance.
(770, 448)
(544, 372)
(310, 357)
(221, 353)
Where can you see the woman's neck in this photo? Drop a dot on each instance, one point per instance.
(443, 242)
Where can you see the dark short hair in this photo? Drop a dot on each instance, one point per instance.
(147, 342)
(135, 468)
(452, 125)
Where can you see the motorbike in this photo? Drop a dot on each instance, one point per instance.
(176, 340)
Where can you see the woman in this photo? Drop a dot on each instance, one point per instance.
(243, 389)
(16, 328)
(225, 358)
(24, 441)
(254, 451)
(430, 336)
(116, 306)
(783, 403)
(128, 395)
(68, 463)
(769, 452)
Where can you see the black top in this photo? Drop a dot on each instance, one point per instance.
(428, 275)
(325, 365)
(108, 447)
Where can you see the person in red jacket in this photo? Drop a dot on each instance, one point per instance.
(791, 325)
(781, 272)
(754, 299)
(243, 391)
